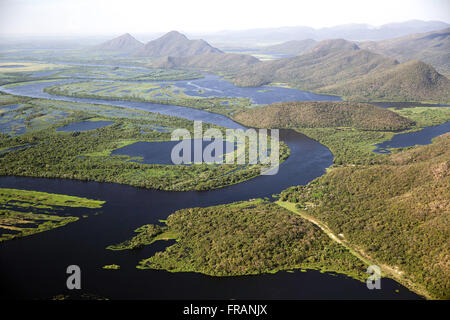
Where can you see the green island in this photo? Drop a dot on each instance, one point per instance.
(163, 93)
(25, 212)
(35, 71)
(111, 267)
(348, 129)
(242, 238)
(146, 235)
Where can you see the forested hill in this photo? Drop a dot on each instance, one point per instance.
(322, 114)
(409, 81)
(209, 61)
(341, 67)
(397, 213)
(326, 63)
(177, 45)
(432, 47)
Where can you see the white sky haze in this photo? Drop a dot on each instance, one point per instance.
(90, 17)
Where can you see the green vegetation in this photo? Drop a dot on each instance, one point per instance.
(425, 116)
(24, 212)
(33, 71)
(11, 67)
(244, 238)
(409, 81)
(350, 130)
(323, 114)
(111, 267)
(44, 200)
(164, 93)
(147, 234)
(87, 155)
(349, 146)
(394, 214)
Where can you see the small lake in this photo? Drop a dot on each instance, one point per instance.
(159, 152)
(410, 139)
(84, 126)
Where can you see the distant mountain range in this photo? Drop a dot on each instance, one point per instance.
(293, 47)
(326, 63)
(341, 67)
(125, 43)
(432, 47)
(177, 45)
(175, 50)
(365, 71)
(171, 44)
(355, 32)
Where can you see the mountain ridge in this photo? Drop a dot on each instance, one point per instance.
(123, 43)
(431, 47)
(175, 44)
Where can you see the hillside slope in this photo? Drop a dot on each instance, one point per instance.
(326, 63)
(322, 114)
(177, 45)
(293, 47)
(409, 81)
(432, 47)
(210, 61)
(397, 214)
(125, 43)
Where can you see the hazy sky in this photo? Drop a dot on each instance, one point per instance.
(138, 16)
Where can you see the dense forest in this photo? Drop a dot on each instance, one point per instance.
(410, 81)
(396, 213)
(322, 114)
(247, 238)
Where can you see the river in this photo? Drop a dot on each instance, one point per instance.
(34, 266)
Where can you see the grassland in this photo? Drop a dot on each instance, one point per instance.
(424, 116)
(12, 67)
(25, 212)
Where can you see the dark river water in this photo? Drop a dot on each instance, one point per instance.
(34, 266)
(409, 139)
